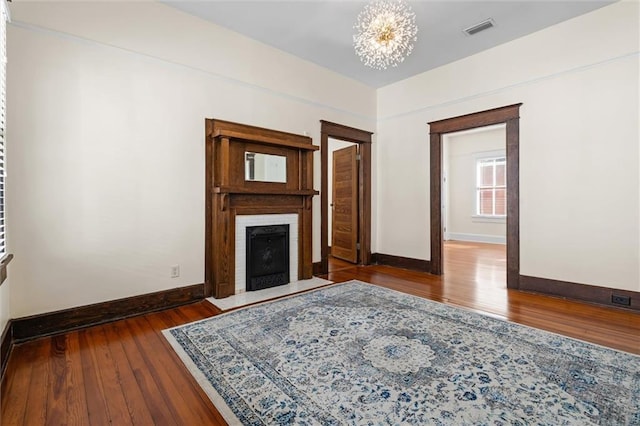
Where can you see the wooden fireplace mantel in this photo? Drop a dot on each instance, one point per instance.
(228, 194)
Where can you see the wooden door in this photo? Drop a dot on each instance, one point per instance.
(344, 214)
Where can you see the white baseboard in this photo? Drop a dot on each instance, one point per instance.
(477, 238)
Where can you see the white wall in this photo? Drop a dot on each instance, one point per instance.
(459, 165)
(107, 102)
(579, 156)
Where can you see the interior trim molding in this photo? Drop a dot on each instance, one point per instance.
(510, 115)
(575, 291)
(363, 139)
(401, 262)
(6, 344)
(191, 67)
(477, 238)
(50, 323)
(509, 87)
(3, 267)
(317, 268)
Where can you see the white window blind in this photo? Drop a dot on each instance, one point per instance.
(491, 187)
(4, 11)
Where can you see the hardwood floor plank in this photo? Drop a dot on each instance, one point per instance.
(75, 395)
(201, 310)
(109, 377)
(148, 387)
(94, 392)
(126, 379)
(36, 408)
(176, 318)
(183, 378)
(156, 361)
(57, 396)
(15, 386)
(180, 389)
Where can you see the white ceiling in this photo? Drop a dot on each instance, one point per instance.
(322, 31)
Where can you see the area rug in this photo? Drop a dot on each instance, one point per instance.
(358, 354)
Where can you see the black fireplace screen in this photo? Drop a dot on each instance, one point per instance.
(267, 256)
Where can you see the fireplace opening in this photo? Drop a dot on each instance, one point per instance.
(267, 256)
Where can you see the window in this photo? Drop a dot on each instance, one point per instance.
(491, 187)
(4, 17)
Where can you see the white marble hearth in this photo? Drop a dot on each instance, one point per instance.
(242, 222)
(251, 297)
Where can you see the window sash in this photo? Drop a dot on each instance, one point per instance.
(483, 187)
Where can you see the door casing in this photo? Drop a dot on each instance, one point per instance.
(363, 138)
(510, 115)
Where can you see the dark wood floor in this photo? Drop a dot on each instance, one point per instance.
(126, 373)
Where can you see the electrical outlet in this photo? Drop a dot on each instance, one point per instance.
(175, 271)
(621, 300)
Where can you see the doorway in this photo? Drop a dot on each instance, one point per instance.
(474, 185)
(510, 116)
(474, 209)
(362, 140)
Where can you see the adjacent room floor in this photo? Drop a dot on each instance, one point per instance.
(126, 373)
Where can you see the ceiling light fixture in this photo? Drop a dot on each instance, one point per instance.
(386, 31)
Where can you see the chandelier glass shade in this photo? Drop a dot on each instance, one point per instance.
(385, 33)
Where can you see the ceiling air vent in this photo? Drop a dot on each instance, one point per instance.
(481, 26)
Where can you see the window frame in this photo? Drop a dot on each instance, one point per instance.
(478, 158)
(5, 258)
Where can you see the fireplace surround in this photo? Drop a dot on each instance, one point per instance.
(229, 196)
(243, 222)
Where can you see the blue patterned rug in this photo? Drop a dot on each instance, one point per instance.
(357, 354)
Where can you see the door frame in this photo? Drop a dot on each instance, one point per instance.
(363, 139)
(510, 115)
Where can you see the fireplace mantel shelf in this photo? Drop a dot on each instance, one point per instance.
(271, 191)
(267, 140)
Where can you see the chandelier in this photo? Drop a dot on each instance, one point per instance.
(386, 31)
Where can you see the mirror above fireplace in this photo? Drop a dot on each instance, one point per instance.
(259, 167)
